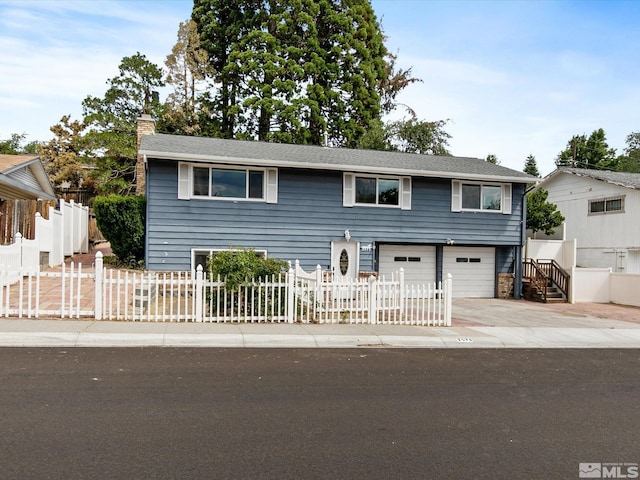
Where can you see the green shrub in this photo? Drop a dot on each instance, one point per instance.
(121, 219)
(236, 267)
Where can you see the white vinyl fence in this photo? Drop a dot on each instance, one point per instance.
(65, 232)
(295, 296)
(601, 285)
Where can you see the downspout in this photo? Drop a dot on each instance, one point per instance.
(146, 210)
(517, 287)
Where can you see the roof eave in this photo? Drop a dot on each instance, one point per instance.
(186, 157)
(21, 191)
(557, 172)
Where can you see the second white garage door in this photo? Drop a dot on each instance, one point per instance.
(418, 261)
(473, 271)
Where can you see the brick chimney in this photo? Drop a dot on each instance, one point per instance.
(146, 126)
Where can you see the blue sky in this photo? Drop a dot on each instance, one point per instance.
(513, 77)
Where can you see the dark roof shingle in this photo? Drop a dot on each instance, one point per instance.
(179, 147)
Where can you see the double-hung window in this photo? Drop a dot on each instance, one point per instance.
(370, 190)
(480, 197)
(227, 183)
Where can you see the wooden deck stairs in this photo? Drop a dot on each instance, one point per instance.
(545, 281)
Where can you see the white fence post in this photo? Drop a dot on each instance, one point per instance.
(318, 300)
(99, 280)
(18, 241)
(448, 295)
(290, 295)
(373, 302)
(199, 294)
(403, 291)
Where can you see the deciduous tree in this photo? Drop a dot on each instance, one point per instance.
(15, 145)
(542, 216)
(592, 152)
(491, 158)
(630, 160)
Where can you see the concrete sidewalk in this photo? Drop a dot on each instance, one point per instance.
(486, 323)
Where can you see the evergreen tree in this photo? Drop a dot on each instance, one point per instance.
(187, 66)
(289, 71)
(65, 155)
(531, 166)
(112, 122)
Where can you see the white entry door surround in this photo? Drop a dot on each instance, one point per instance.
(345, 258)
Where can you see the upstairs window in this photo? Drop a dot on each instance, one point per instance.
(604, 206)
(369, 190)
(227, 183)
(480, 197)
(377, 191)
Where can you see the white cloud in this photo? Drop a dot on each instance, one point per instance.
(53, 54)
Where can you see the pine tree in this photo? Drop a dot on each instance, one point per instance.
(289, 71)
(112, 121)
(531, 167)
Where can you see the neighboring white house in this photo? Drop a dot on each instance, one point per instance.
(602, 212)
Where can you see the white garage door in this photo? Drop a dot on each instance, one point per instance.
(418, 261)
(473, 271)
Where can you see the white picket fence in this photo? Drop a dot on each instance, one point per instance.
(65, 232)
(296, 296)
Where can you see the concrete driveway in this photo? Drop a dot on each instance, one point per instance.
(522, 313)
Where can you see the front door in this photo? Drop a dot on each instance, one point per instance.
(344, 260)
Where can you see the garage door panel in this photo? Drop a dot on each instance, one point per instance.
(418, 262)
(473, 271)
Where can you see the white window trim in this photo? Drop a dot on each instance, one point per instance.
(209, 251)
(505, 197)
(349, 191)
(269, 182)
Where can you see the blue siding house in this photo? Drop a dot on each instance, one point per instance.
(349, 211)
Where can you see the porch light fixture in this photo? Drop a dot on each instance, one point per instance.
(347, 235)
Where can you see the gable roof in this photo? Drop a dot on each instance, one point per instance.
(24, 177)
(243, 152)
(623, 179)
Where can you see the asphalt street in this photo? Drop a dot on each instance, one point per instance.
(315, 413)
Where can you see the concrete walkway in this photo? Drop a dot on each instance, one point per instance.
(485, 323)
